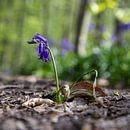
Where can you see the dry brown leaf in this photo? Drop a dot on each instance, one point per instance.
(84, 88)
(37, 102)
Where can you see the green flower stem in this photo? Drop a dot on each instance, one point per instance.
(58, 98)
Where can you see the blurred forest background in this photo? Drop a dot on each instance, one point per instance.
(83, 35)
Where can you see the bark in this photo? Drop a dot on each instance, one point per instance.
(80, 18)
(118, 33)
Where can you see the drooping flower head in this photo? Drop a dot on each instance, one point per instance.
(43, 51)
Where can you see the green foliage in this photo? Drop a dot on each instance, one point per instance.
(112, 63)
(102, 5)
(115, 64)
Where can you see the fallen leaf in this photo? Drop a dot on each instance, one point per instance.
(37, 102)
(84, 88)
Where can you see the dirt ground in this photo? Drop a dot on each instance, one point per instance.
(111, 112)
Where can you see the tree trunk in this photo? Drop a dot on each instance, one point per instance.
(79, 22)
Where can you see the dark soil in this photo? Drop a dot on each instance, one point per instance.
(81, 113)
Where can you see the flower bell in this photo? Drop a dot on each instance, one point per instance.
(40, 39)
(43, 52)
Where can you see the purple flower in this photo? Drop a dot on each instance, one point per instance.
(38, 38)
(66, 46)
(114, 38)
(124, 27)
(43, 51)
(91, 27)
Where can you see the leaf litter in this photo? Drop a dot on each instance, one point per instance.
(25, 107)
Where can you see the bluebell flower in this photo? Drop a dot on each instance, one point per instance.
(38, 39)
(66, 46)
(124, 26)
(43, 51)
(91, 27)
(114, 38)
(43, 54)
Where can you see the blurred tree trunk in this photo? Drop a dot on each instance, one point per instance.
(80, 18)
(17, 54)
(6, 24)
(69, 19)
(99, 27)
(118, 33)
(66, 25)
(45, 15)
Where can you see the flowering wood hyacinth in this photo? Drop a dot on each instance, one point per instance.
(43, 51)
(43, 54)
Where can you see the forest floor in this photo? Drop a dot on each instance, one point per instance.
(111, 112)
